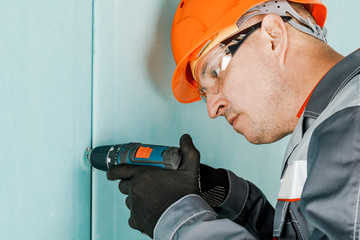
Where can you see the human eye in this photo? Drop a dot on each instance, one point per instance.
(215, 73)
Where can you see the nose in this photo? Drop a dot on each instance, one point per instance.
(216, 105)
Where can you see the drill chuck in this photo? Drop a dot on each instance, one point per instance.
(104, 157)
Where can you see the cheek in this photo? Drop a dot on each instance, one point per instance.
(243, 88)
(252, 81)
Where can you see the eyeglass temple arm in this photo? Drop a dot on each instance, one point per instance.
(247, 32)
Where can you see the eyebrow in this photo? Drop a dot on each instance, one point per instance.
(203, 70)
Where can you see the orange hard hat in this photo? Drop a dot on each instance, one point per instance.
(198, 21)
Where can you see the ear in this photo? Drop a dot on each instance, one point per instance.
(274, 30)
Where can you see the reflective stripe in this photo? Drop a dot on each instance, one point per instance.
(293, 181)
(289, 200)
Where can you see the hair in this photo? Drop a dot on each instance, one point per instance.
(303, 10)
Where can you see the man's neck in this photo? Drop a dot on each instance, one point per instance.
(306, 68)
(313, 69)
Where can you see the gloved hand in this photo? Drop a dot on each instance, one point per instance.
(152, 190)
(214, 185)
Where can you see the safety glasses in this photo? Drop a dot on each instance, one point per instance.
(211, 68)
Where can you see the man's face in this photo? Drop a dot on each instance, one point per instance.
(253, 94)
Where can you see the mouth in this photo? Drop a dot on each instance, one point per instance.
(231, 120)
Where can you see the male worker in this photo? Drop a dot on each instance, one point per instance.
(265, 67)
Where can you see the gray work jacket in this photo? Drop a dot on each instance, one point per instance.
(320, 182)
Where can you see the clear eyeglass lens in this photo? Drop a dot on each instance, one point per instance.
(211, 68)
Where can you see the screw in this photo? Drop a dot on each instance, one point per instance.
(88, 151)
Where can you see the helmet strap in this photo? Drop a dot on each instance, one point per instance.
(283, 8)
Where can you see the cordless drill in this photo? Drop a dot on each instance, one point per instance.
(104, 157)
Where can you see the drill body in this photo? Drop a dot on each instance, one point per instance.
(104, 157)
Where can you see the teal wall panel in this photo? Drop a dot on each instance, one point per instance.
(45, 121)
(342, 23)
(46, 114)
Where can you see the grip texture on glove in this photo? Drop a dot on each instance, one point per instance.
(214, 185)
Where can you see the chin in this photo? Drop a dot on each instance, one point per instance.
(256, 133)
(258, 139)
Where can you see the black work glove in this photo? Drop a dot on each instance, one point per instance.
(214, 185)
(152, 190)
